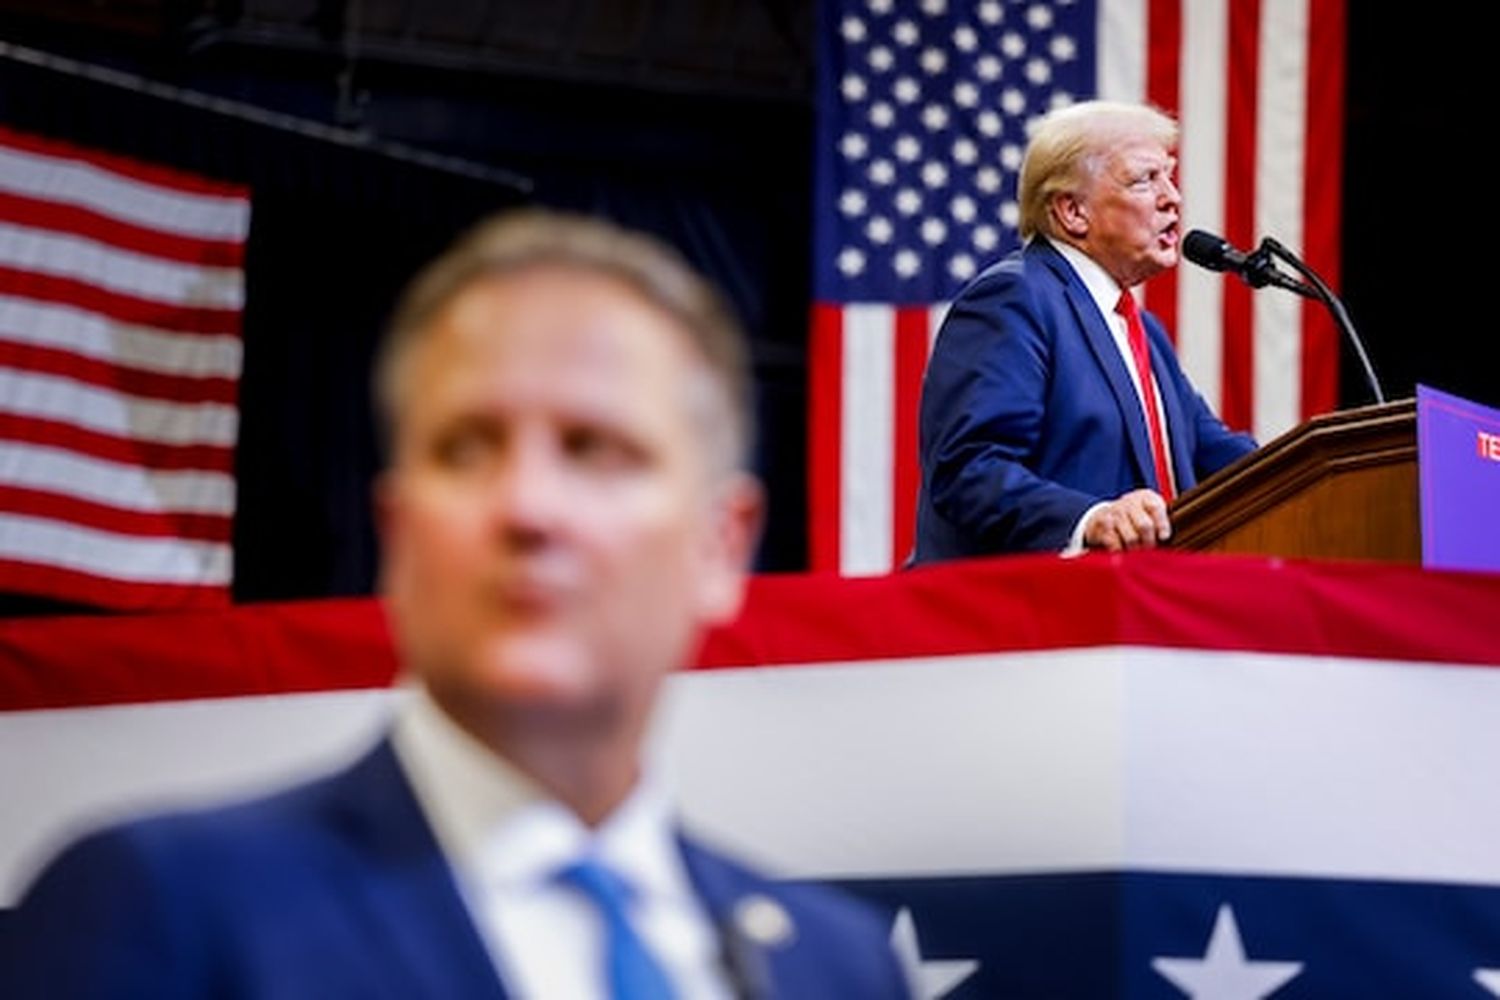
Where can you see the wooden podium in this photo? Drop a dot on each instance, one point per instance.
(1341, 486)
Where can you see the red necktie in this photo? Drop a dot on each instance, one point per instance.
(1136, 334)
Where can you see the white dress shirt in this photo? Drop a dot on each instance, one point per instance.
(1106, 294)
(506, 840)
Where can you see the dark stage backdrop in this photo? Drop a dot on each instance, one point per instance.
(337, 229)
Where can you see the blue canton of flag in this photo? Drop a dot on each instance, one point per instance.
(922, 123)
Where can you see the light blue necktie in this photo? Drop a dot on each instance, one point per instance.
(630, 971)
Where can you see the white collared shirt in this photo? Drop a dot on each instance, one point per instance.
(1105, 292)
(506, 840)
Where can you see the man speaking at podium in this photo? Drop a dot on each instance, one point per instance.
(1054, 414)
(565, 511)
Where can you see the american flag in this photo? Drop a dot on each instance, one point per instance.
(121, 289)
(923, 112)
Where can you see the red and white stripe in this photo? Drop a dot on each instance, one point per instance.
(1258, 88)
(1235, 715)
(121, 289)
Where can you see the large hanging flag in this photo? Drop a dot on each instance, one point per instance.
(121, 289)
(923, 110)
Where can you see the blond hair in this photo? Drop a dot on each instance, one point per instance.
(650, 268)
(1068, 148)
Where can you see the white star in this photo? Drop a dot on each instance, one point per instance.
(908, 201)
(933, 61)
(934, 231)
(907, 148)
(934, 8)
(851, 262)
(989, 123)
(988, 68)
(1013, 45)
(965, 38)
(853, 145)
(879, 6)
(934, 174)
(986, 238)
(881, 172)
(963, 208)
(882, 115)
(1013, 101)
(905, 33)
(907, 90)
(965, 94)
(1038, 71)
(880, 230)
(1224, 973)
(853, 29)
(907, 263)
(881, 59)
(853, 88)
(961, 266)
(1489, 979)
(1010, 213)
(987, 179)
(991, 12)
(852, 202)
(935, 117)
(1063, 48)
(1011, 156)
(965, 152)
(934, 978)
(1039, 17)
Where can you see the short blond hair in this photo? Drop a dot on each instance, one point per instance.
(647, 266)
(1068, 147)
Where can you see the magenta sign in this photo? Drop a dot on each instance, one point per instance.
(1458, 462)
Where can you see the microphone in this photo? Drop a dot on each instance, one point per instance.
(1258, 270)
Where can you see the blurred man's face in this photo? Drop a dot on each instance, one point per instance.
(554, 534)
(1133, 212)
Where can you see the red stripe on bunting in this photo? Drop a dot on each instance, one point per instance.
(1151, 599)
(825, 416)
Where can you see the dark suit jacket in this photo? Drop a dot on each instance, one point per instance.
(338, 889)
(1029, 416)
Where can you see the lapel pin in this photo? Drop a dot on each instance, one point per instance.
(763, 921)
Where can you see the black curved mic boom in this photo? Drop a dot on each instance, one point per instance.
(1257, 270)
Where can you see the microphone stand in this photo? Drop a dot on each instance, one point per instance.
(1259, 270)
(1265, 271)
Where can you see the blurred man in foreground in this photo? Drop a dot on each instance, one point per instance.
(565, 511)
(1054, 413)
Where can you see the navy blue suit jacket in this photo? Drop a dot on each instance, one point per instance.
(1029, 416)
(338, 889)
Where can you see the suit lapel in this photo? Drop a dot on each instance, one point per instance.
(1101, 342)
(755, 932)
(405, 892)
(1177, 429)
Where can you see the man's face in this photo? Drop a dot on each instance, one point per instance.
(1132, 212)
(554, 535)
